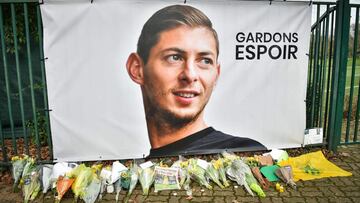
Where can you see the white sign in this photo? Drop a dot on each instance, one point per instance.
(313, 136)
(97, 110)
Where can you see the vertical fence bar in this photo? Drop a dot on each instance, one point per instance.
(31, 80)
(329, 77)
(18, 71)
(339, 73)
(309, 82)
(13, 21)
(351, 87)
(43, 77)
(2, 33)
(310, 57)
(357, 116)
(327, 19)
(315, 72)
(321, 72)
(358, 96)
(3, 146)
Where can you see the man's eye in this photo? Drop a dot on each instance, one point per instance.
(207, 61)
(174, 58)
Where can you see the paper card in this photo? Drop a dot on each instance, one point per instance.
(166, 179)
(203, 164)
(269, 172)
(313, 136)
(147, 164)
(265, 160)
(117, 166)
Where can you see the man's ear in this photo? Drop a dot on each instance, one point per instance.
(134, 66)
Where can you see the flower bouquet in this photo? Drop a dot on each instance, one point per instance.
(212, 172)
(146, 178)
(91, 191)
(236, 170)
(219, 165)
(63, 184)
(18, 164)
(31, 187)
(46, 171)
(285, 174)
(250, 180)
(84, 176)
(197, 173)
(134, 177)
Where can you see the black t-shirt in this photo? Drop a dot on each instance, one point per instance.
(207, 141)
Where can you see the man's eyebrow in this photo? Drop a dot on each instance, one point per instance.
(204, 53)
(178, 50)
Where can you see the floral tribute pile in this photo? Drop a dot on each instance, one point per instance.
(90, 182)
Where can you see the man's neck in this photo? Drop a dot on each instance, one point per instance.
(163, 135)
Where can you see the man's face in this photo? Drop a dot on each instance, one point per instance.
(181, 73)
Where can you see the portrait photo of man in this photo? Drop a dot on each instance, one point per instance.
(176, 66)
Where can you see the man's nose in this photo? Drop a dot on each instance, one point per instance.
(189, 73)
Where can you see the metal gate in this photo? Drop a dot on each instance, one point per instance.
(334, 73)
(24, 121)
(332, 91)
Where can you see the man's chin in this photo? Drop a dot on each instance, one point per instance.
(182, 119)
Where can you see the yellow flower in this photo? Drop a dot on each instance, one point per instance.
(217, 164)
(184, 164)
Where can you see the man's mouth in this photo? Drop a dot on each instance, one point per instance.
(185, 95)
(188, 95)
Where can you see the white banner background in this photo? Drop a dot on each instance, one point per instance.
(97, 111)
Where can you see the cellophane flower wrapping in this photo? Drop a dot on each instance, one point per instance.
(134, 177)
(285, 174)
(182, 173)
(18, 164)
(219, 165)
(29, 167)
(63, 184)
(46, 171)
(116, 170)
(92, 191)
(198, 174)
(182, 165)
(212, 172)
(236, 170)
(186, 185)
(83, 179)
(146, 178)
(185, 180)
(63, 169)
(264, 183)
(117, 186)
(96, 168)
(251, 181)
(105, 178)
(125, 179)
(31, 187)
(73, 173)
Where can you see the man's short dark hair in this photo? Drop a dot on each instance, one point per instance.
(169, 18)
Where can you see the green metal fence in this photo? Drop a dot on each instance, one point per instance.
(332, 92)
(333, 77)
(24, 119)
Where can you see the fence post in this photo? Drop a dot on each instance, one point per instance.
(342, 28)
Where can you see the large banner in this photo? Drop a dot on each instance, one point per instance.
(97, 89)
